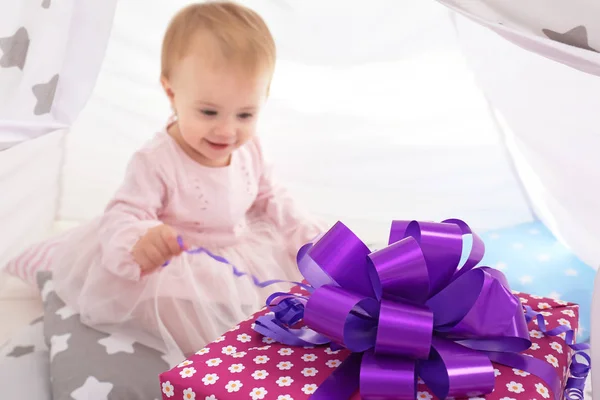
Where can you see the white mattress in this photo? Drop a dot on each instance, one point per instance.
(20, 303)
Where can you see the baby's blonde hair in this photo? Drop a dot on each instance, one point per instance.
(241, 36)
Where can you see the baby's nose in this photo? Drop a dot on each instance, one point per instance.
(226, 129)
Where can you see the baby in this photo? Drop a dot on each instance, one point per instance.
(202, 179)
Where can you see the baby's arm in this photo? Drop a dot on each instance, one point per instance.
(131, 234)
(277, 204)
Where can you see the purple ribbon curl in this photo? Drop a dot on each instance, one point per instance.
(408, 310)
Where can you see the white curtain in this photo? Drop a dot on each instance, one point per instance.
(545, 94)
(566, 32)
(50, 54)
(374, 115)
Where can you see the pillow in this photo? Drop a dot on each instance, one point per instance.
(535, 262)
(92, 365)
(35, 258)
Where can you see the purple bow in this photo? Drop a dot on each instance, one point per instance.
(404, 311)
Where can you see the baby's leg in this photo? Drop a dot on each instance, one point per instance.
(186, 324)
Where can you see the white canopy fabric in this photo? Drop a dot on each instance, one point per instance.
(50, 55)
(545, 103)
(364, 124)
(379, 110)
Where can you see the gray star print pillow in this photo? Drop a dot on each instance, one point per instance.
(86, 364)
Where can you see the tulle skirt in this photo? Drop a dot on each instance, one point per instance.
(183, 306)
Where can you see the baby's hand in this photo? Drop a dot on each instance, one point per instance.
(156, 247)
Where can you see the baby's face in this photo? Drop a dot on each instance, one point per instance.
(217, 108)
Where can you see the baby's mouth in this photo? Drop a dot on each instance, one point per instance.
(216, 145)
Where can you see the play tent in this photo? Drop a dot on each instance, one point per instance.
(481, 110)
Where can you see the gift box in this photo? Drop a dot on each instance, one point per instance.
(244, 363)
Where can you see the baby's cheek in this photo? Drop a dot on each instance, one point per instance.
(194, 131)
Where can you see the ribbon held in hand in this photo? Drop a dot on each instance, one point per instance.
(407, 310)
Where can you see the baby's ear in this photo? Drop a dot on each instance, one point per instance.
(164, 81)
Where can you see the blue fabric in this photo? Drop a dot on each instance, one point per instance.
(534, 261)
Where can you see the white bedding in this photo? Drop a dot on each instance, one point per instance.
(20, 303)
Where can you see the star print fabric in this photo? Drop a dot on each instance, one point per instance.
(243, 364)
(50, 58)
(566, 32)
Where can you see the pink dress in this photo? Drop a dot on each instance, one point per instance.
(237, 212)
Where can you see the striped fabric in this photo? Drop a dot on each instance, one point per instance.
(35, 258)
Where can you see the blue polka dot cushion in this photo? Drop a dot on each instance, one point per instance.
(535, 262)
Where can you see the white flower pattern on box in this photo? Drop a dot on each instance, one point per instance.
(296, 375)
(261, 359)
(214, 362)
(520, 373)
(229, 350)
(285, 365)
(258, 393)
(203, 351)
(564, 322)
(187, 372)
(244, 338)
(260, 374)
(234, 386)
(236, 368)
(168, 389)
(536, 334)
(542, 390)
(285, 351)
(210, 379)
(309, 388)
(557, 347)
(515, 387)
(284, 381)
(552, 360)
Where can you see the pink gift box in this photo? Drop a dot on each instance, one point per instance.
(243, 364)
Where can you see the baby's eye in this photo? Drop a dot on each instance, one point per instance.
(245, 116)
(210, 113)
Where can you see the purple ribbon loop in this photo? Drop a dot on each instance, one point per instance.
(384, 377)
(456, 371)
(409, 307)
(401, 270)
(404, 330)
